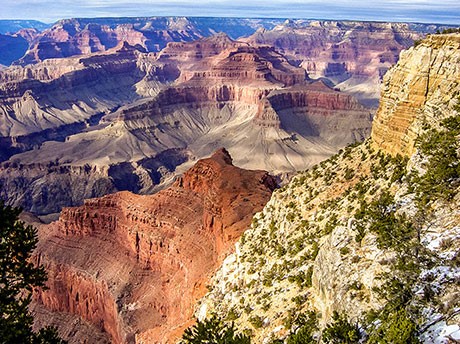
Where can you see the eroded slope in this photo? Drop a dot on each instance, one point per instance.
(369, 235)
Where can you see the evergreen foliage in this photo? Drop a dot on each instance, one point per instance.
(341, 331)
(304, 334)
(18, 277)
(396, 328)
(442, 175)
(213, 331)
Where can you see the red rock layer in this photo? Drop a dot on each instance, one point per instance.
(245, 65)
(317, 96)
(134, 265)
(337, 49)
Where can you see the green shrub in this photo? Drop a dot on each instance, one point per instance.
(314, 250)
(344, 251)
(232, 315)
(256, 321)
(399, 168)
(392, 231)
(349, 173)
(442, 175)
(395, 328)
(331, 224)
(308, 325)
(213, 330)
(340, 331)
(299, 300)
(308, 276)
(299, 279)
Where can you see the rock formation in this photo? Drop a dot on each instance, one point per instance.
(354, 55)
(352, 234)
(127, 119)
(128, 268)
(415, 92)
(132, 266)
(65, 118)
(70, 37)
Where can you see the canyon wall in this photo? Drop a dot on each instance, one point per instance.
(353, 55)
(80, 36)
(133, 266)
(127, 120)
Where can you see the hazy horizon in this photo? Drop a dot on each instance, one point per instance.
(422, 11)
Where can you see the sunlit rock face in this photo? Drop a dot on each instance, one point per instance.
(306, 252)
(132, 266)
(81, 36)
(418, 90)
(82, 127)
(353, 55)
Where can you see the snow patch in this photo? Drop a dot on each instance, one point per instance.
(440, 333)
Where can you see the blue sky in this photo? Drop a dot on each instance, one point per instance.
(428, 11)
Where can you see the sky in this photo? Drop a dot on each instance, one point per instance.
(425, 11)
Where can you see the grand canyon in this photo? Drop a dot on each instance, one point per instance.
(183, 168)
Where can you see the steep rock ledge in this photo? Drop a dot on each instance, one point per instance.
(418, 89)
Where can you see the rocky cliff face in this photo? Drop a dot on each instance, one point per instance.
(365, 234)
(65, 115)
(163, 110)
(132, 266)
(419, 91)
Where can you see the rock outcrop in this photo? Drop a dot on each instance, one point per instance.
(65, 115)
(132, 266)
(70, 37)
(354, 55)
(415, 92)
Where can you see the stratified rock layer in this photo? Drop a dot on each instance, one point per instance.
(81, 36)
(353, 55)
(124, 119)
(419, 90)
(132, 265)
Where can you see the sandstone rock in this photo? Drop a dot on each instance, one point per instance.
(420, 89)
(70, 37)
(305, 250)
(354, 55)
(132, 265)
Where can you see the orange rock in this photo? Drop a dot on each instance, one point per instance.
(134, 265)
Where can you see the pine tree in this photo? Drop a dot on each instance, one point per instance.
(18, 277)
(213, 331)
